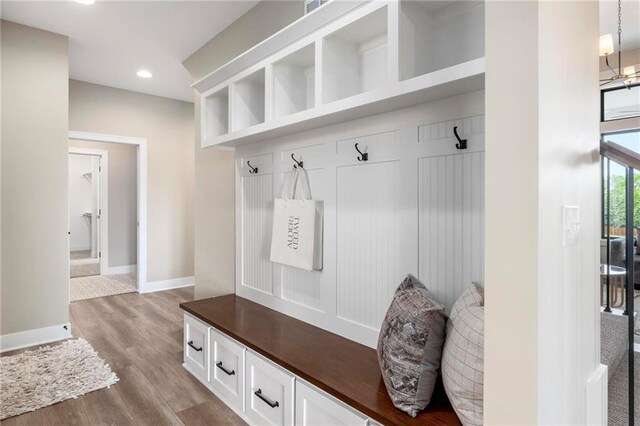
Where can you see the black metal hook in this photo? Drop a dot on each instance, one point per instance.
(299, 163)
(364, 156)
(462, 143)
(253, 169)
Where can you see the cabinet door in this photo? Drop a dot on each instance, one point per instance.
(268, 392)
(196, 347)
(227, 369)
(314, 408)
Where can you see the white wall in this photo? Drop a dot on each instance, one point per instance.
(167, 125)
(542, 323)
(35, 108)
(80, 202)
(214, 169)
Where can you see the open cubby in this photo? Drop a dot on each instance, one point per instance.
(217, 114)
(439, 34)
(248, 101)
(294, 82)
(355, 57)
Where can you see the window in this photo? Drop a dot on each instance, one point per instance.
(614, 184)
(619, 103)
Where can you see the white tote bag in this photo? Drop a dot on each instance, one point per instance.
(297, 225)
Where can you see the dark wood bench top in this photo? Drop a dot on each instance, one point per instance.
(344, 369)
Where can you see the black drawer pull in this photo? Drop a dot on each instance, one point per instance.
(190, 343)
(229, 373)
(269, 402)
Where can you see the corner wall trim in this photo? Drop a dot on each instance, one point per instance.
(125, 269)
(39, 336)
(597, 395)
(152, 286)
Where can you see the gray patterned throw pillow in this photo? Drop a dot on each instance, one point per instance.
(410, 345)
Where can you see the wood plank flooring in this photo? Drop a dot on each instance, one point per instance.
(140, 336)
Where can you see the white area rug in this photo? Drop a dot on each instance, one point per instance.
(102, 285)
(51, 374)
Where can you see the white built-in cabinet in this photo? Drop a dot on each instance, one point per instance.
(347, 59)
(416, 206)
(258, 390)
(394, 78)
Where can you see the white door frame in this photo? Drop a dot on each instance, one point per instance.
(141, 143)
(103, 195)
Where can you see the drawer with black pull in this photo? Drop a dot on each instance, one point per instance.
(196, 347)
(269, 392)
(227, 368)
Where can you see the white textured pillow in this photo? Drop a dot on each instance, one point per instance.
(463, 356)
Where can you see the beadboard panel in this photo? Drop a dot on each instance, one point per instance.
(299, 286)
(257, 221)
(416, 206)
(451, 223)
(368, 245)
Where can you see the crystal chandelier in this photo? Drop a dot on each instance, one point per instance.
(625, 76)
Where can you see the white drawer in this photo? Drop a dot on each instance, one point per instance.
(196, 347)
(269, 392)
(315, 408)
(227, 368)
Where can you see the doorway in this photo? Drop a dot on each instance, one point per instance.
(88, 197)
(128, 264)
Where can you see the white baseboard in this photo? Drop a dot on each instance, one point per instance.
(115, 270)
(40, 336)
(166, 284)
(82, 247)
(597, 401)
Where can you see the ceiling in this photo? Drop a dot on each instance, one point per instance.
(110, 41)
(630, 22)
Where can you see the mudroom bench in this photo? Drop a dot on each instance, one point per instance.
(273, 369)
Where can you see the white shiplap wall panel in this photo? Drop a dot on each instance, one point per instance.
(417, 206)
(257, 221)
(451, 223)
(369, 225)
(299, 286)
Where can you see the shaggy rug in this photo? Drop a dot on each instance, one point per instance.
(51, 374)
(102, 285)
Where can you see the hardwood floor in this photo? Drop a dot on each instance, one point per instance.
(140, 336)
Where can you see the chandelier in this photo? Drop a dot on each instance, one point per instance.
(625, 76)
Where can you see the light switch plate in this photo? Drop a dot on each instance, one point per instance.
(570, 225)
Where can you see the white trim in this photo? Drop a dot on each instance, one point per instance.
(142, 191)
(597, 395)
(103, 202)
(39, 336)
(166, 284)
(636, 347)
(101, 137)
(82, 247)
(115, 270)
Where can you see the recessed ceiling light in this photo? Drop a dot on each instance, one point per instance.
(144, 74)
(86, 1)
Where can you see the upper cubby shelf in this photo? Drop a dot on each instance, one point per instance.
(351, 60)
